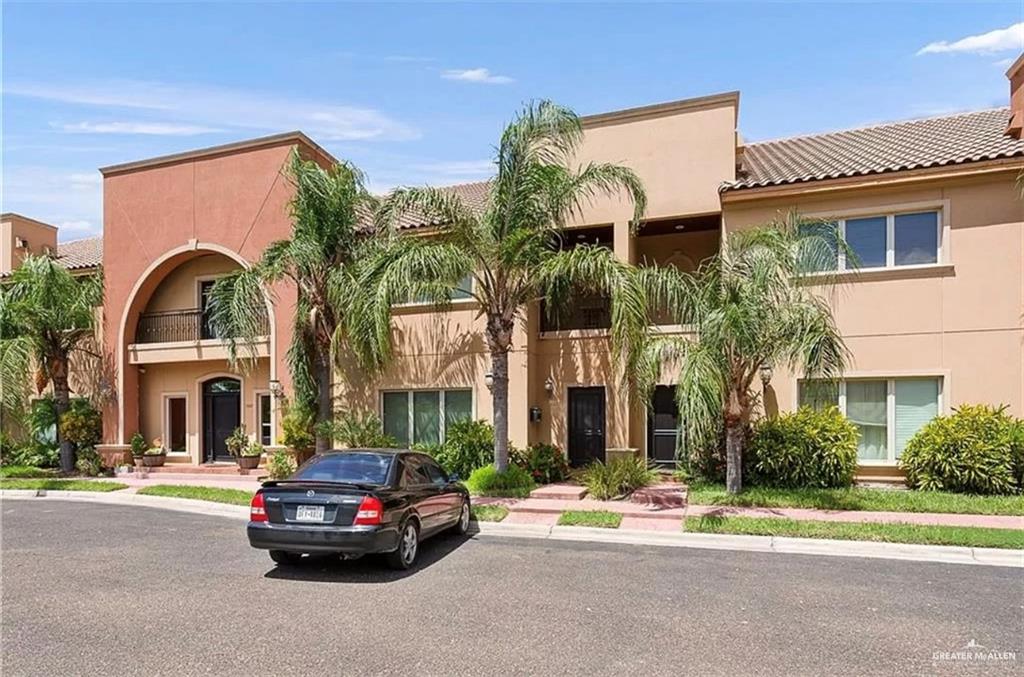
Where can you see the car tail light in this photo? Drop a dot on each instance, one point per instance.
(371, 511)
(257, 511)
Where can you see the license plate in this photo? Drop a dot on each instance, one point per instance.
(309, 513)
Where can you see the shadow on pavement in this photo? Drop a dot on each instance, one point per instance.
(368, 569)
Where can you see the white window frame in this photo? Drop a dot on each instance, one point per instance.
(451, 300)
(890, 409)
(442, 403)
(259, 395)
(890, 239)
(165, 427)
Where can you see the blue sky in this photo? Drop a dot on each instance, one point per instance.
(419, 93)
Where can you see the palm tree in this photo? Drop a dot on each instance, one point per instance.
(47, 317)
(748, 308)
(511, 247)
(330, 211)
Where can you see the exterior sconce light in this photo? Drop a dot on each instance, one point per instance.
(276, 389)
(534, 414)
(489, 380)
(549, 386)
(766, 374)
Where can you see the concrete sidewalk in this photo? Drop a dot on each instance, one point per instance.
(135, 481)
(863, 516)
(676, 538)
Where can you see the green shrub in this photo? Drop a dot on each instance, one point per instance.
(805, 448)
(88, 462)
(617, 479)
(297, 430)
(280, 466)
(253, 448)
(138, 444)
(360, 430)
(237, 441)
(976, 450)
(487, 481)
(40, 449)
(82, 424)
(468, 445)
(545, 462)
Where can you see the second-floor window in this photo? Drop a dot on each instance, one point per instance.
(888, 240)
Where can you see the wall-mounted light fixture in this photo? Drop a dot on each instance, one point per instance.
(766, 374)
(276, 389)
(534, 414)
(489, 380)
(549, 385)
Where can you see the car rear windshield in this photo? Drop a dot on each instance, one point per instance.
(349, 466)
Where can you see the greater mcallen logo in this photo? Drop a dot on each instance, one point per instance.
(973, 651)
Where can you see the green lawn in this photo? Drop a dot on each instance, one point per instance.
(214, 494)
(61, 485)
(489, 513)
(975, 537)
(26, 471)
(590, 518)
(858, 498)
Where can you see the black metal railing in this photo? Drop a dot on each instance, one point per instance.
(172, 325)
(189, 324)
(586, 313)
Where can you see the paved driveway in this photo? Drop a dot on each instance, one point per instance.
(95, 589)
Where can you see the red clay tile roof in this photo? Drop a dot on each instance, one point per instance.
(915, 144)
(79, 254)
(474, 196)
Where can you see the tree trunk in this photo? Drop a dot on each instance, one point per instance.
(499, 390)
(61, 403)
(324, 400)
(733, 456)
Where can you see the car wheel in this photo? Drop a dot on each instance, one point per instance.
(462, 526)
(285, 557)
(408, 547)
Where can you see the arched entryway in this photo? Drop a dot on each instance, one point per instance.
(222, 413)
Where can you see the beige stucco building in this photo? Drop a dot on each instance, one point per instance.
(934, 317)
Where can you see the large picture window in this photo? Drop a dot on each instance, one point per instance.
(422, 416)
(885, 241)
(887, 412)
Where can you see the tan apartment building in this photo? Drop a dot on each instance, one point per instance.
(934, 317)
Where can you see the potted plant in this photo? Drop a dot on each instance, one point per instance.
(249, 457)
(155, 456)
(138, 445)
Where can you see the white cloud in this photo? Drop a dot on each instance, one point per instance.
(203, 106)
(999, 40)
(1004, 63)
(71, 199)
(458, 169)
(152, 128)
(478, 75)
(76, 227)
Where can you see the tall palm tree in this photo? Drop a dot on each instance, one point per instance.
(330, 211)
(511, 247)
(747, 307)
(47, 316)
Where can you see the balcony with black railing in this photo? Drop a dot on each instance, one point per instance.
(586, 313)
(173, 326)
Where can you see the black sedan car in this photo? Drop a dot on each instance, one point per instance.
(356, 502)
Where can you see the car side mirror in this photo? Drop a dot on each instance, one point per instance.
(454, 477)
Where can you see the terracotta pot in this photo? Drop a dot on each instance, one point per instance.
(248, 462)
(153, 460)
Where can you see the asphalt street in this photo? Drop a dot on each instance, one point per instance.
(99, 589)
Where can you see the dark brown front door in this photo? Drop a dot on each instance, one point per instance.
(586, 425)
(222, 411)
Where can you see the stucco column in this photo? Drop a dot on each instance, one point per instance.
(621, 415)
(624, 242)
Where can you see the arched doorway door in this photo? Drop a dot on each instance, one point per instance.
(222, 413)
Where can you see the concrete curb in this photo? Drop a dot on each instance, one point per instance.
(766, 544)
